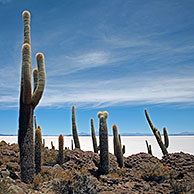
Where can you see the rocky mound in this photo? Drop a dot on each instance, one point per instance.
(143, 173)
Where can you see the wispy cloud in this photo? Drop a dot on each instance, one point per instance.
(6, 1)
(131, 91)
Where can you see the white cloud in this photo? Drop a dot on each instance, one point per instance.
(132, 91)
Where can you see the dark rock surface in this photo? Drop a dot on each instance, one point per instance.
(143, 173)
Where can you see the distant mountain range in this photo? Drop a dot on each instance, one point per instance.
(122, 134)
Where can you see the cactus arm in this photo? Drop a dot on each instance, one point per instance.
(26, 67)
(157, 134)
(35, 76)
(41, 80)
(166, 139)
(26, 20)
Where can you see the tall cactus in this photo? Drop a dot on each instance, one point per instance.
(61, 145)
(74, 129)
(38, 147)
(94, 140)
(103, 135)
(158, 136)
(117, 146)
(28, 102)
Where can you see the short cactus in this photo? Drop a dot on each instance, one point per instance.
(43, 143)
(35, 124)
(94, 140)
(123, 148)
(61, 145)
(162, 145)
(103, 135)
(149, 148)
(117, 145)
(38, 146)
(52, 146)
(28, 101)
(74, 129)
(71, 144)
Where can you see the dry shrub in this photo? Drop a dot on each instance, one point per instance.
(157, 172)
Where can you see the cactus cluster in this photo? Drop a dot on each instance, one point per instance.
(28, 101)
(156, 132)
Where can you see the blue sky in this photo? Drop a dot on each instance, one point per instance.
(122, 56)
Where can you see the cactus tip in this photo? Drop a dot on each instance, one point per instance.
(26, 13)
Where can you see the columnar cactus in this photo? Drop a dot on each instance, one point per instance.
(43, 143)
(103, 135)
(94, 140)
(28, 102)
(61, 145)
(35, 124)
(74, 129)
(38, 146)
(52, 146)
(149, 148)
(117, 145)
(72, 144)
(155, 131)
(123, 148)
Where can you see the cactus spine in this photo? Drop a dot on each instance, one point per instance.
(74, 129)
(103, 134)
(117, 145)
(157, 135)
(38, 146)
(28, 102)
(94, 140)
(61, 145)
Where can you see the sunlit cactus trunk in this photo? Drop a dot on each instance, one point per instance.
(38, 149)
(28, 101)
(117, 146)
(74, 129)
(94, 140)
(104, 151)
(61, 146)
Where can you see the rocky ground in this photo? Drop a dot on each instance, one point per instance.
(143, 173)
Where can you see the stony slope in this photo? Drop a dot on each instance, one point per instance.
(143, 173)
